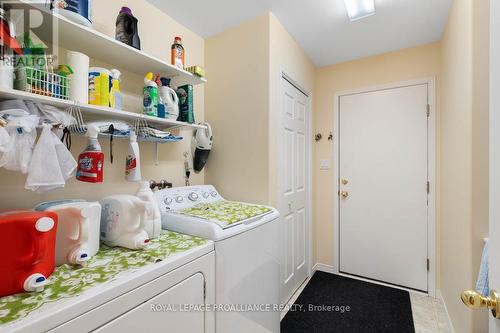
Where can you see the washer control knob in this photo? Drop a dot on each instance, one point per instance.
(193, 196)
(213, 193)
(205, 195)
(167, 200)
(179, 199)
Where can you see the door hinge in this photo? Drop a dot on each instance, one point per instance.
(428, 263)
(428, 110)
(428, 187)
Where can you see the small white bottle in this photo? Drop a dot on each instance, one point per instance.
(133, 160)
(152, 225)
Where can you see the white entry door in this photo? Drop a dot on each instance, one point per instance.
(383, 182)
(494, 207)
(294, 179)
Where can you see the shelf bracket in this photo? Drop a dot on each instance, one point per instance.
(156, 152)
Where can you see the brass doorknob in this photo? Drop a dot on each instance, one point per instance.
(344, 194)
(474, 300)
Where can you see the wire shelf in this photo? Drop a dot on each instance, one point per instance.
(41, 82)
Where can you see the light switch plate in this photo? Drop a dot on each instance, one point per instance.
(324, 164)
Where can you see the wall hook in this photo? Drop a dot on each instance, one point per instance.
(330, 137)
(318, 137)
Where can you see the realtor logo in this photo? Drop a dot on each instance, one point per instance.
(28, 33)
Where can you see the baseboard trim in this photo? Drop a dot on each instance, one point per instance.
(323, 268)
(440, 296)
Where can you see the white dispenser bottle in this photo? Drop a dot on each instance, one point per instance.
(169, 98)
(133, 160)
(153, 223)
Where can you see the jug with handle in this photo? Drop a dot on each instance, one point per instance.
(78, 232)
(169, 98)
(27, 250)
(123, 220)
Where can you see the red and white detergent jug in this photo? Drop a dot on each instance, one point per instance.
(27, 250)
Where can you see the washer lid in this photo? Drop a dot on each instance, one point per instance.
(226, 214)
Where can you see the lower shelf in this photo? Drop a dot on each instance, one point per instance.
(95, 110)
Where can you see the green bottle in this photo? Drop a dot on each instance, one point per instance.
(150, 93)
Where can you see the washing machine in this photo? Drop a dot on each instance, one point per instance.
(246, 240)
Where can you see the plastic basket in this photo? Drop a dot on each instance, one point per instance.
(41, 82)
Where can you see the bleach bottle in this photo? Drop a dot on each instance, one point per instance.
(91, 160)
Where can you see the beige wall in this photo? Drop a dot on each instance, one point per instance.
(243, 106)
(464, 136)
(286, 56)
(237, 104)
(414, 63)
(157, 31)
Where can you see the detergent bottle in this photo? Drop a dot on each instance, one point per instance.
(152, 225)
(169, 98)
(123, 220)
(150, 92)
(91, 160)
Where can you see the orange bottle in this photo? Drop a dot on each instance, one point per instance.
(178, 53)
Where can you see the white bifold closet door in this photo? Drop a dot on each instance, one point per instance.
(294, 179)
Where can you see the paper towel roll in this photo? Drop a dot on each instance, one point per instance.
(79, 87)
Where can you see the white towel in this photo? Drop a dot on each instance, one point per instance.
(482, 284)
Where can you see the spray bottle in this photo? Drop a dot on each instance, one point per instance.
(150, 92)
(115, 95)
(133, 160)
(91, 160)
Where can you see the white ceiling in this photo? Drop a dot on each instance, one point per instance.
(322, 27)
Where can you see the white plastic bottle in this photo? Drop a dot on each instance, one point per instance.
(133, 160)
(169, 98)
(153, 223)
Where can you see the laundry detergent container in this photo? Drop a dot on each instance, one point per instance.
(27, 250)
(123, 221)
(78, 229)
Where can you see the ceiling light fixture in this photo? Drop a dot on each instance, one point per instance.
(358, 9)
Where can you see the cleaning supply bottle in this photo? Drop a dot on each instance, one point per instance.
(91, 160)
(99, 86)
(115, 95)
(178, 53)
(169, 99)
(150, 100)
(152, 224)
(186, 103)
(126, 28)
(133, 160)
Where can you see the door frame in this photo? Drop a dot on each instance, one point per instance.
(284, 75)
(431, 221)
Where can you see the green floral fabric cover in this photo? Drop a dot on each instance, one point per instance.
(225, 213)
(70, 281)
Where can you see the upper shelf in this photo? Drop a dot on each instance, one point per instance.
(96, 111)
(96, 45)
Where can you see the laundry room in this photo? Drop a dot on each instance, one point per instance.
(249, 166)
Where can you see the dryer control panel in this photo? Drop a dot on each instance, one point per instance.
(178, 198)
